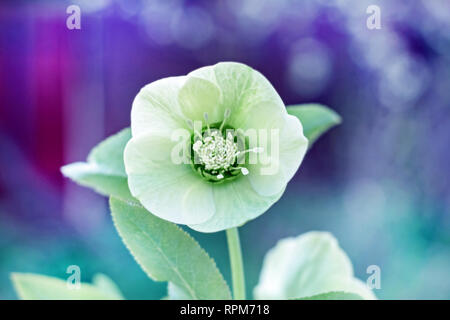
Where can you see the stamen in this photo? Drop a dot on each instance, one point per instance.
(243, 170)
(226, 115)
(255, 150)
(217, 150)
(197, 145)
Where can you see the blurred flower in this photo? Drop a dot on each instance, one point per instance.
(215, 185)
(308, 265)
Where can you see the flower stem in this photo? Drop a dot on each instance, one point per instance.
(237, 267)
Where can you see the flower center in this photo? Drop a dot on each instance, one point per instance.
(218, 151)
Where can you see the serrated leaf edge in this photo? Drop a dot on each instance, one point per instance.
(191, 290)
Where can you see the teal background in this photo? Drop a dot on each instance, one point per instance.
(379, 182)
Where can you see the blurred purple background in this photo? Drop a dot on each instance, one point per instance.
(380, 181)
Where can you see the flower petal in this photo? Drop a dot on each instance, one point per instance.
(252, 100)
(156, 109)
(199, 96)
(310, 264)
(236, 203)
(255, 105)
(171, 191)
(285, 153)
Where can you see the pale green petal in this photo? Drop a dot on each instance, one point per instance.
(173, 192)
(104, 170)
(199, 96)
(107, 285)
(156, 109)
(310, 264)
(253, 101)
(284, 156)
(232, 79)
(255, 105)
(293, 146)
(268, 183)
(260, 106)
(236, 203)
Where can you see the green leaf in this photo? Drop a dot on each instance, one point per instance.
(105, 283)
(167, 253)
(31, 286)
(104, 170)
(334, 295)
(315, 118)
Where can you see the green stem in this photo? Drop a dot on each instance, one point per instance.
(237, 267)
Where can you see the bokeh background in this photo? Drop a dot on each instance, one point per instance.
(379, 182)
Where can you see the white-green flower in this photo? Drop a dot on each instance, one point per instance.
(308, 265)
(218, 176)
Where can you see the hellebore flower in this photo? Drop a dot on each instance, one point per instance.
(308, 265)
(212, 149)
